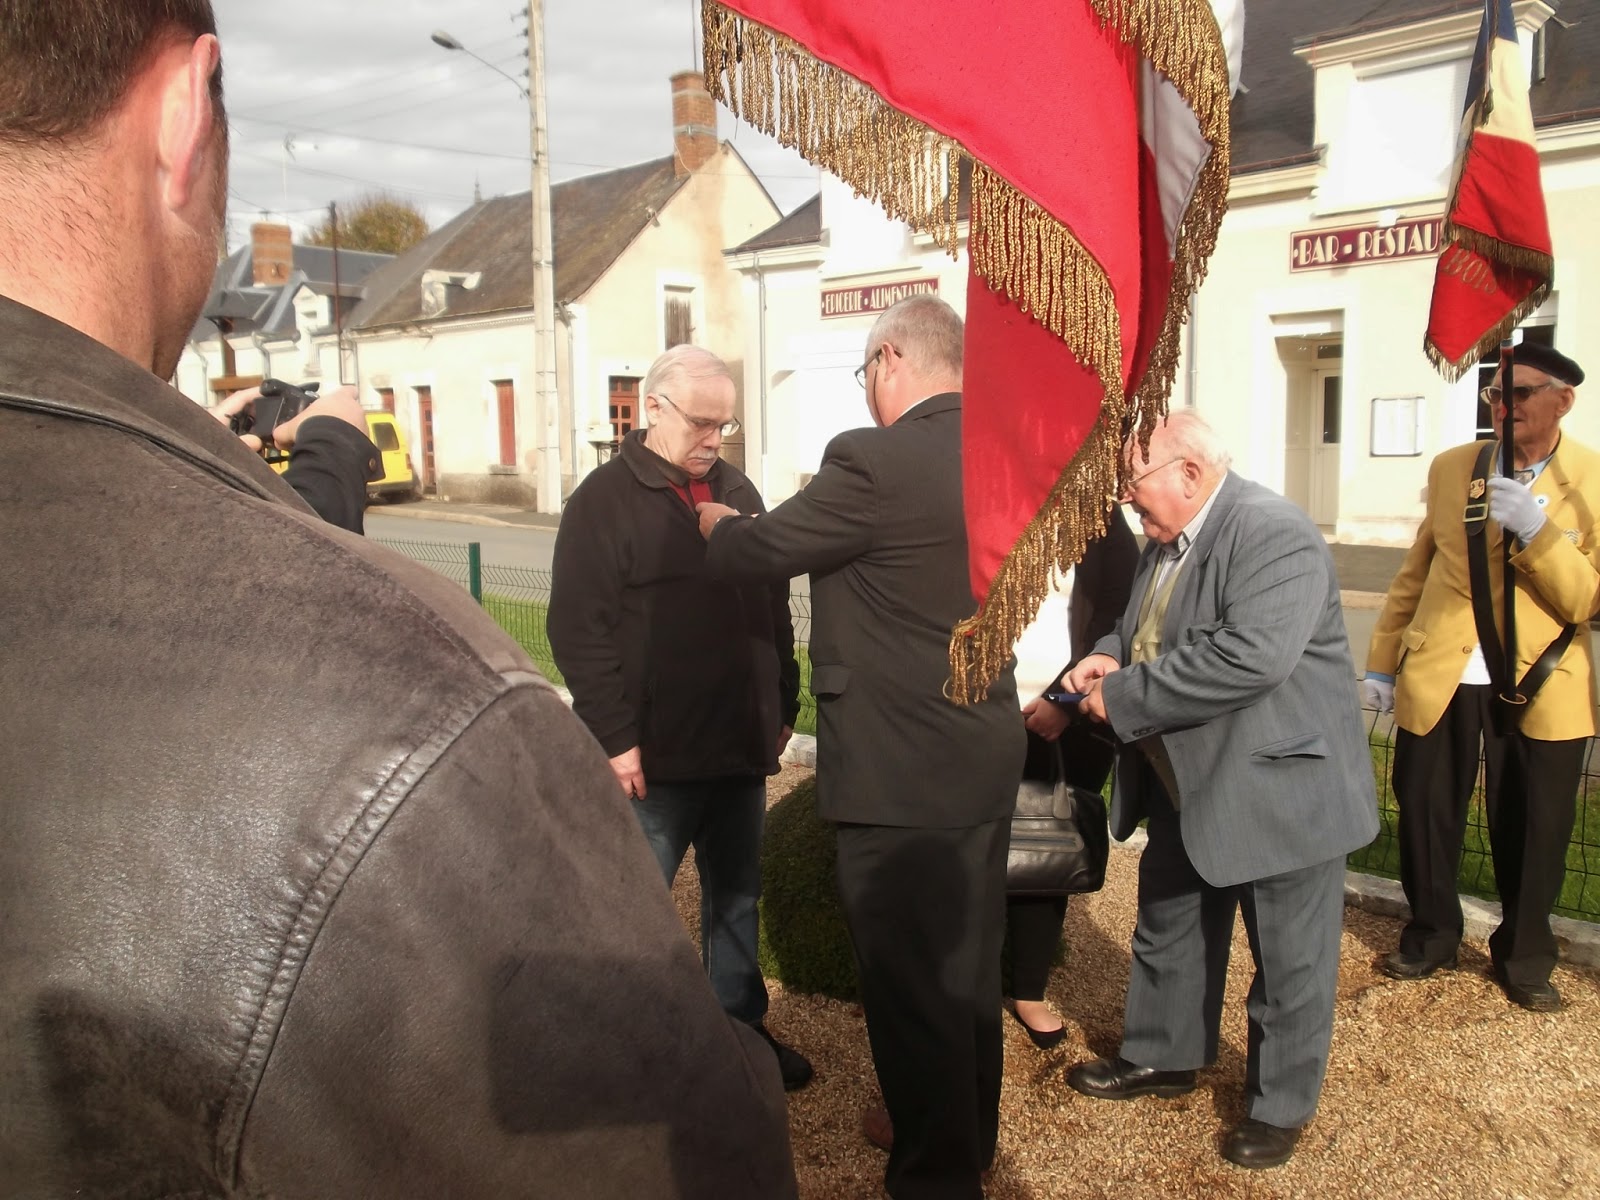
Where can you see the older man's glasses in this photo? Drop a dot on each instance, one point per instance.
(1492, 394)
(861, 371)
(1135, 480)
(702, 425)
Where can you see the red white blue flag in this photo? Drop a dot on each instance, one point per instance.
(1496, 266)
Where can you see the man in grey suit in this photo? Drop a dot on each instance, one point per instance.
(1230, 684)
(922, 790)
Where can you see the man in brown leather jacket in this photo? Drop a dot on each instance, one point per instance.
(310, 886)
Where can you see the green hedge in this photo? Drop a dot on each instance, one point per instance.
(804, 942)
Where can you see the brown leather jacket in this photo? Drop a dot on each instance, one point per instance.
(310, 886)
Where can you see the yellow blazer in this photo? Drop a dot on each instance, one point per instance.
(1426, 632)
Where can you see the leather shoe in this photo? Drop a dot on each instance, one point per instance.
(1045, 1039)
(793, 1066)
(877, 1127)
(1256, 1144)
(1535, 997)
(1119, 1079)
(1400, 965)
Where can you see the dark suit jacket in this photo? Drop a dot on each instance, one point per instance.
(1253, 695)
(881, 529)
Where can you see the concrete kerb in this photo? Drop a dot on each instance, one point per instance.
(1579, 940)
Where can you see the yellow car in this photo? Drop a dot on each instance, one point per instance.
(399, 481)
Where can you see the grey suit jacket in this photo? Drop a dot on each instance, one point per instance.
(881, 529)
(1254, 696)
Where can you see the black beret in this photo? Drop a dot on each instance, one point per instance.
(1552, 362)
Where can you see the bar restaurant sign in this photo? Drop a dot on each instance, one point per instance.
(1358, 245)
(855, 301)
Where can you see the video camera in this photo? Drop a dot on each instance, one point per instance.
(278, 403)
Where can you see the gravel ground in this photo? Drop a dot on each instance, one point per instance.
(1436, 1089)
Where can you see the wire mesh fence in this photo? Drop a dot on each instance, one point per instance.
(518, 598)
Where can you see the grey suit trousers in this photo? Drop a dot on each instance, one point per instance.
(1180, 966)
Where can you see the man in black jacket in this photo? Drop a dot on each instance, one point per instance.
(689, 684)
(922, 790)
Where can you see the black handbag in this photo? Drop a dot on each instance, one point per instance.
(1060, 841)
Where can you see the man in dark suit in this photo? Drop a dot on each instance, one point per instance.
(1230, 683)
(922, 790)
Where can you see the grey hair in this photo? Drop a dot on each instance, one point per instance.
(925, 330)
(1187, 435)
(680, 368)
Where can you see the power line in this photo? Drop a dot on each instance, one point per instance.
(315, 98)
(348, 110)
(452, 196)
(369, 137)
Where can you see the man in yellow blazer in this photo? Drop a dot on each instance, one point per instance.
(1426, 663)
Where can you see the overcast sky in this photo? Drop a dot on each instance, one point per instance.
(364, 101)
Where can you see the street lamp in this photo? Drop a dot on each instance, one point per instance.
(441, 38)
(546, 402)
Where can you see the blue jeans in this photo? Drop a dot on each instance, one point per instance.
(722, 820)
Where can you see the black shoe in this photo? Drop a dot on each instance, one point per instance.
(1401, 965)
(1535, 997)
(1045, 1039)
(792, 1065)
(1257, 1144)
(1119, 1079)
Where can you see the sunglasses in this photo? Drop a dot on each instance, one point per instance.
(1519, 393)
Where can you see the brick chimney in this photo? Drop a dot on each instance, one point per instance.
(694, 123)
(271, 254)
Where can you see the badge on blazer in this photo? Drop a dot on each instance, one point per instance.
(1572, 536)
(1541, 501)
(1475, 492)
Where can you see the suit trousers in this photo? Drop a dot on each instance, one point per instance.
(926, 913)
(1181, 943)
(1530, 800)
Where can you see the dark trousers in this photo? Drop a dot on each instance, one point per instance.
(722, 819)
(926, 909)
(1530, 794)
(1035, 922)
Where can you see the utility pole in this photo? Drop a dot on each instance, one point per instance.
(338, 312)
(547, 404)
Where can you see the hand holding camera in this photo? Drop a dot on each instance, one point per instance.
(277, 409)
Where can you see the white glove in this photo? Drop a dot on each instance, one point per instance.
(1377, 694)
(1513, 506)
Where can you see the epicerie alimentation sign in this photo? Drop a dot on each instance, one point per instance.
(1358, 245)
(853, 302)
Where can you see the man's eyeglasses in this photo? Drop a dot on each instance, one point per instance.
(1135, 480)
(861, 371)
(702, 425)
(1519, 394)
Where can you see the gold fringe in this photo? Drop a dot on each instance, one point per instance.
(1073, 516)
(835, 121)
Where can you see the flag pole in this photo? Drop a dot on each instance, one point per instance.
(1508, 468)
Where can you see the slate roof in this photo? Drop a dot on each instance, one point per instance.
(269, 310)
(1274, 119)
(803, 226)
(593, 220)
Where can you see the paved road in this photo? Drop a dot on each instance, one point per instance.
(510, 546)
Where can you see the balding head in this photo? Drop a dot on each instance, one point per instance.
(913, 352)
(1171, 483)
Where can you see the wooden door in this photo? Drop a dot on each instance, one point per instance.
(430, 481)
(506, 403)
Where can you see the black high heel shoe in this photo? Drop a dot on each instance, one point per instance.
(1044, 1039)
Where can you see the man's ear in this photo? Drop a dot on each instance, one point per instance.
(188, 118)
(1564, 405)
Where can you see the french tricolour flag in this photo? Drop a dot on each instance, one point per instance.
(1496, 266)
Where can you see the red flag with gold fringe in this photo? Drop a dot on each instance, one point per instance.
(1097, 132)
